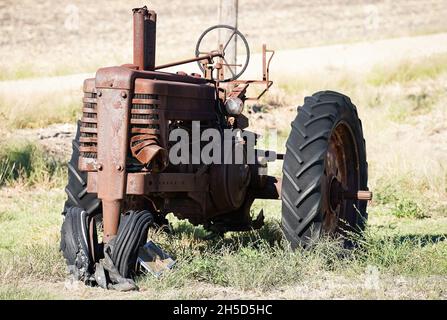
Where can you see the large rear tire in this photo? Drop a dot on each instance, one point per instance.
(325, 156)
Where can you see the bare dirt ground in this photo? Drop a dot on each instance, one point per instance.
(327, 287)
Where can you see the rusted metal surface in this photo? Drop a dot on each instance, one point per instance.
(112, 144)
(357, 195)
(208, 58)
(146, 148)
(127, 114)
(147, 125)
(265, 63)
(265, 82)
(178, 100)
(144, 183)
(144, 22)
(88, 130)
(238, 91)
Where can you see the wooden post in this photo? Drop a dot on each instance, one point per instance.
(228, 12)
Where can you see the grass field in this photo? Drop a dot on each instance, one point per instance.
(403, 253)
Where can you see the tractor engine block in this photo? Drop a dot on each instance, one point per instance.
(158, 104)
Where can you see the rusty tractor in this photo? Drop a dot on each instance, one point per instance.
(122, 178)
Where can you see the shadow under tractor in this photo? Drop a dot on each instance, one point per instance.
(151, 143)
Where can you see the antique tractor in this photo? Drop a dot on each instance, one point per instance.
(127, 172)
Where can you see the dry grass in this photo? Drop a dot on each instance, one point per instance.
(37, 43)
(39, 110)
(251, 264)
(408, 71)
(39, 104)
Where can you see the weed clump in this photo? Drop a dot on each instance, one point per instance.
(26, 163)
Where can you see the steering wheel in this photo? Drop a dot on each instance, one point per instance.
(212, 38)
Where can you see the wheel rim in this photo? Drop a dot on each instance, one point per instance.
(341, 174)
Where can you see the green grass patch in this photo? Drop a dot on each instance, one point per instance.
(401, 202)
(402, 254)
(249, 261)
(299, 85)
(252, 261)
(25, 162)
(20, 71)
(404, 107)
(407, 208)
(36, 261)
(12, 292)
(408, 71)
(34, 216)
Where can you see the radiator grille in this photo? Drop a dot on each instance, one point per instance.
(145, 125)
(89, 127)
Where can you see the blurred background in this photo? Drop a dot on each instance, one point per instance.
(48, 38)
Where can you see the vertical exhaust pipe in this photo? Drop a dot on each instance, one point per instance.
(113, 126)
(144, 37)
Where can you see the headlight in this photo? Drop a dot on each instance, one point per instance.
(234, 106)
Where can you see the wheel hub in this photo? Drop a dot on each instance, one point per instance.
(334, 194)
(341, 180)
